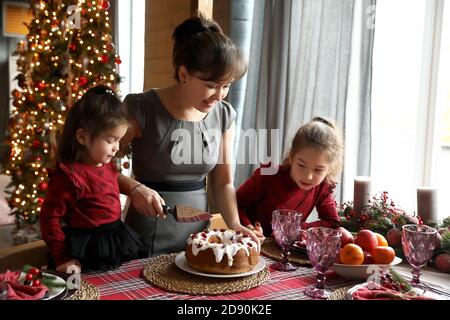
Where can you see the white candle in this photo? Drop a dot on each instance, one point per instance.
(361, 193)
(427, 205)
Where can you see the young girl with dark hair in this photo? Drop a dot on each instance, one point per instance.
(303, 182)
(80, 217)
(188, 120)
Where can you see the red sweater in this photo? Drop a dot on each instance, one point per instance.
(260, 195)
(81, 196)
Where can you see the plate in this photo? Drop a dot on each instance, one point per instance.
(55, 293)
(361, 272)
(428, 294)
(181, 262)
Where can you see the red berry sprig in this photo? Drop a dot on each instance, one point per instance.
(33, 277)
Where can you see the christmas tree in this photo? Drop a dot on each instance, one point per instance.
(67, 50)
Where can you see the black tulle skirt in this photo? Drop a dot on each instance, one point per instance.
(105, 247)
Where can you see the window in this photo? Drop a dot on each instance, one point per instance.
(131, 28)
(409, 148)
(442, 174)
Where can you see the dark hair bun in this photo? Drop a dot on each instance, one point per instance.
(193, 26)
(202, 48)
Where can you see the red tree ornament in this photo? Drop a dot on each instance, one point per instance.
(105, 58)
(82, 81)
(36, 144)
(43, 186)
(16, 93)
(118, 61)
(105, 4)
(41, 85)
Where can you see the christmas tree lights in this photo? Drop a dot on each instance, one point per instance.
(68, 49)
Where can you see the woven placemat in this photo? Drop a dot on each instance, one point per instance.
(87, 291)
(271, 249)
(163, 273)
(339, 294)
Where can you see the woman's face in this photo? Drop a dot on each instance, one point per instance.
(204, 94)
(309, 167)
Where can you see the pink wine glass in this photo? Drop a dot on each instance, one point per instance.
(418, 243)
(323, 245)
(286, 227)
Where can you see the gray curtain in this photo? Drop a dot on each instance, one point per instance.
(298, 68)
(241, 20)
(365, 87)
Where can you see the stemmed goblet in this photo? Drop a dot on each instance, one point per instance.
(286, 227)
(323, 245)
(418, 243)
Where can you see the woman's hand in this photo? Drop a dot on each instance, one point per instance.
(69, 267)
(147, 202)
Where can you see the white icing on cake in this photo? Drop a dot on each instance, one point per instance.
(232, 242)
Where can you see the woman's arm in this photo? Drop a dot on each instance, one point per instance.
(223, 188)
(145, 200)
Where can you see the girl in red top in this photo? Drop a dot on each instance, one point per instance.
(80, 218)
(303, 182)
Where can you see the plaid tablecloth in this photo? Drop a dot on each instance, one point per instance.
(128, 283)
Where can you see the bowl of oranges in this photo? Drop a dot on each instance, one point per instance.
(363, 255)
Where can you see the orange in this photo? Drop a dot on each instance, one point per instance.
(383, 255)
(381, 240)
(351, 254)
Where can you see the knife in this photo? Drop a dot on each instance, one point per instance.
(186, 214)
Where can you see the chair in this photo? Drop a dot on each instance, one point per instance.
(14, 258)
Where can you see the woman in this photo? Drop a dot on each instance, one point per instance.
(181, 133)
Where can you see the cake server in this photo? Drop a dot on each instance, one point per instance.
(186, 214)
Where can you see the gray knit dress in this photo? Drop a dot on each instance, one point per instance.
(173, 151)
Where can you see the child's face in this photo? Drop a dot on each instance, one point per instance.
(105, 146)
(309, 167)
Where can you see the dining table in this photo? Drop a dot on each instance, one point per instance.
(128, 283)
